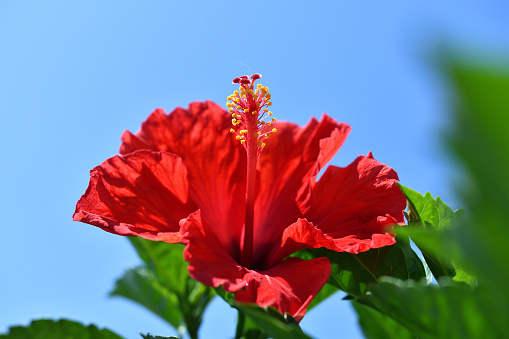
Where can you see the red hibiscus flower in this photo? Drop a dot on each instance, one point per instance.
(244, 198)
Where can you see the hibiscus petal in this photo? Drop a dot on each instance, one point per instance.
(215, 161)
(142, 194)
(289, 286)
(355, 204)
(299, 235)
(293, 156)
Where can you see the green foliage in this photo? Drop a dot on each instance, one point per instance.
(256, 322)
(58, 329)
(376, 325)
(480, 142)
(447, 239)
(141, 285)
(272, 322)
(431, 224)
(432, 311)
(150, 336)
(163, 286)
(353, 273)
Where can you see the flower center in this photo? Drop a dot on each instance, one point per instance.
(249, 107)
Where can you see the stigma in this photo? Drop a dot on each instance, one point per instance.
(249, 109)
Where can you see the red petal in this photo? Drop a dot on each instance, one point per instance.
(355, 204)
(209, 262)
(299, 235)
(140, 194)
(216, 162)
(289, 286)
(292, 157)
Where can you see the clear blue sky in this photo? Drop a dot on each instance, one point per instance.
(75, 75)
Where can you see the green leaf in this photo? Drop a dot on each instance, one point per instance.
(429, 211)
(272, 322)
(142, 286)
(353, 273)
(261, 322)
(58, 329)
(431, 222)
(150, 336)
(163, 286)
(376, 325)
(431, 311)
(166, 260)
(480, 142)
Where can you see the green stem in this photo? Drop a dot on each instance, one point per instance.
(241, 322)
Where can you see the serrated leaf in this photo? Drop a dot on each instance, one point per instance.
(353, 273)
(431, 223)
(58, 329)
(376, 325)
(431, 212)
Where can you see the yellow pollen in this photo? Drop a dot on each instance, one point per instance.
(274, 130)
(254, 99)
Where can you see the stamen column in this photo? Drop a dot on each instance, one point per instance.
(249, 109)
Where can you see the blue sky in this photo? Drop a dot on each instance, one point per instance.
(75, 75)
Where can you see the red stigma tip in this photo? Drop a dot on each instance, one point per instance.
(236, 80)
(256, 76)
(245, 81)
